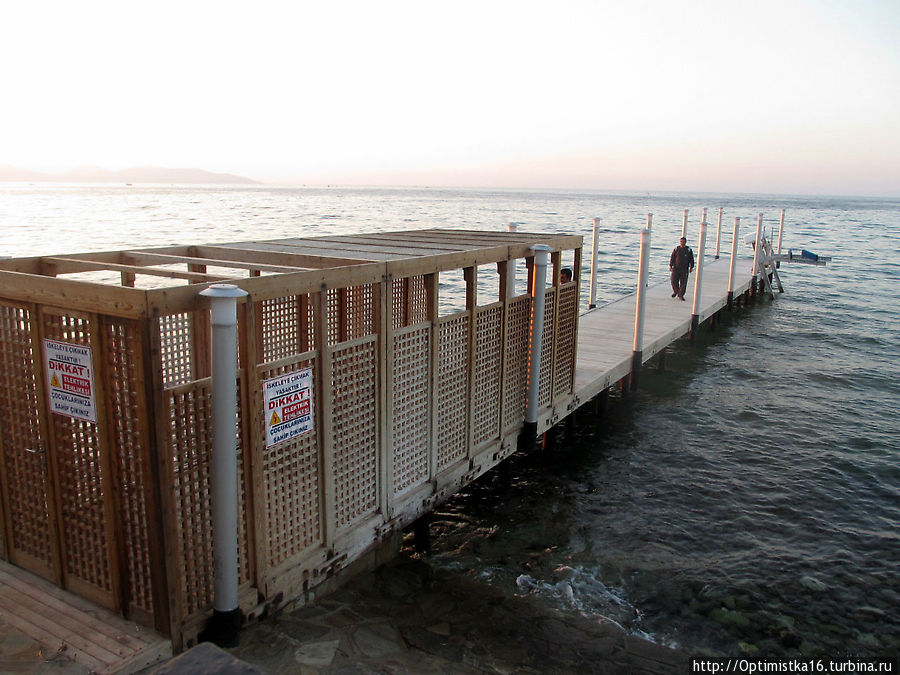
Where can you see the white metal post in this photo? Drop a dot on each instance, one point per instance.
(698, 280)
(592, 297)
(511, 269)
(226, 621)
(718, 232)
(734, 243)
(541, 260)
(684, 224)
(754, 281)
(638, 345)
(780, 231)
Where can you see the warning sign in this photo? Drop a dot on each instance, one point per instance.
(70, 380)
(288, 405)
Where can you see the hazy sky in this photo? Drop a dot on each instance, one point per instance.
(762, 96)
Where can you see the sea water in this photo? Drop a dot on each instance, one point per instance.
(745, 500)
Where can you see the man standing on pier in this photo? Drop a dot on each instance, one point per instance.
(680, 265)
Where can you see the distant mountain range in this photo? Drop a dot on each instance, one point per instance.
(144, 174)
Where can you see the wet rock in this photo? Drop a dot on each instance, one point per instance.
(868, 640)
(729, 618)
(813, 584)
(440, 629)
(317, 654)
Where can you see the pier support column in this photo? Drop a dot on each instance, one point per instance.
(684, 224)
(734, 241)
(422, 533)
(529, 427)
(592, 298)
(698, 281)
(755, 280)
(224, 626)
(599, 404)
(638, 344)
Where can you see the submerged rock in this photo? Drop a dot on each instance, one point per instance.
(813, 584)
(729, 617)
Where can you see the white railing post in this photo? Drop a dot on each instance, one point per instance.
(734, 243)
(224, 626)
(638, 345)
(541, 260)
(780, 231)
(592, 297)
(684, 224)
(754, 280)
(511, 268)
(698, 281)
(718, 232)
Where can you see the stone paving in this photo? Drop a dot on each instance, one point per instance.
(406, 617)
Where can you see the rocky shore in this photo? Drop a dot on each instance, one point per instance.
(407, 617)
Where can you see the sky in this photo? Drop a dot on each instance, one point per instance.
(783, 96)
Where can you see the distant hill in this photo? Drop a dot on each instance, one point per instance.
(145, 174)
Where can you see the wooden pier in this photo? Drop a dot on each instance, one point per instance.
(363, 399)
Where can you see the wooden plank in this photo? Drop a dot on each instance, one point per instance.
(65, 628)
(59, 265)
(271, 256)
(111, 630)
(138, 257)
(69, 293)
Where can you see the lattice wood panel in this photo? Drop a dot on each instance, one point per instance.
(79, 469)
(351, 313)
(284, 329)
(291, 479)
(188, 411)
(518, 324)
(486, 387)
(175, 337)
(564, 373)
(453, 388)
(124, 367)
(411, 418)
(547, 348)
(24, 455)
(355, 423)
(410, 301)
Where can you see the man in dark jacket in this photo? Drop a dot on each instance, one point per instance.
(680, 265)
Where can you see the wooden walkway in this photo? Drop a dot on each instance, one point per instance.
(69, 628)
(606, 334)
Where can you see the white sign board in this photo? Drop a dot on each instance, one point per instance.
(288, 406)
(70, 380)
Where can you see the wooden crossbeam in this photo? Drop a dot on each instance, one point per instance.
(61, 265)
(166, 259)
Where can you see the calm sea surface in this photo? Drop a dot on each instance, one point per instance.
(745, 501)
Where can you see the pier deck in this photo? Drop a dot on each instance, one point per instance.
(606, 334)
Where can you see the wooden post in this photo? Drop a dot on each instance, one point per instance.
(698, 281)
(592, 298)
(638, 343)
(734, 242)
(684, 224)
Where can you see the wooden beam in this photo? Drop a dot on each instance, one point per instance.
(62, 265)
(137, 257)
